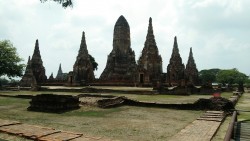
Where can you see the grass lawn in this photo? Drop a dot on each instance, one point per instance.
(104, 87)
(122, 123)
(244, 104)
(35, 92)
(170, 98)
(149, 98)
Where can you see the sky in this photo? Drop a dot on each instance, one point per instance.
(217, 30)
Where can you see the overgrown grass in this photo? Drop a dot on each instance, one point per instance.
(35, 92)
(244, 104)
(171, 98)
(226, 94)
(92, 112)
(122, 123)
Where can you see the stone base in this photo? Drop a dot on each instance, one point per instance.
(53, 103)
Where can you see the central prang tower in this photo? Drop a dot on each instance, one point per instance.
(121, 65)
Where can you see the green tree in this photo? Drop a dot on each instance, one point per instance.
(247, 83)
(94, 63)
(3, 81)
(232, 76)
(64, 3)
(9, 60)
(208, 76)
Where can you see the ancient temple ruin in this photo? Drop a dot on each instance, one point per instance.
(37, 65)
(191, 72)
(121, 64)
(35, 71)
(175, 68)
(51, 77)
(28, 78)
(83, 72)
(60, 75)
(121, 67)
(150, 62)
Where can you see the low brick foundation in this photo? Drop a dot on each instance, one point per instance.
(53, 103)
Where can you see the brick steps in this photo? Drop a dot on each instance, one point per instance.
(202, 129)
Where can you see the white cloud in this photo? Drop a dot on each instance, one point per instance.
(217, 30)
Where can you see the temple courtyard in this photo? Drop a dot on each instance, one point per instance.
(118, 123)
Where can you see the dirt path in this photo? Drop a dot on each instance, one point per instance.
(43, 133)
(202, 129)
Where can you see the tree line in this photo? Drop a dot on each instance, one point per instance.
(226, 77)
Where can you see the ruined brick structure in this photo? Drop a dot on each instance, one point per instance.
(60, 75)
(37, 65)
(83, 72)
(28, 78)
(150, 62)
(121, 65)
(53, 103)
(121, 68)
(51, 78)
(175, 69)
(191, 72)
(35, 71)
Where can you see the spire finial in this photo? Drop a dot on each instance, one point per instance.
(37, 44)
(60, 68)
(175, 42)
(36, 53)
(150, 29)
(191, 52)
(83, 46)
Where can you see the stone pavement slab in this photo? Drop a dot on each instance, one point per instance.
(7, 122)
(39, 133)
(86, 138)
(29, 131)
(60, 136)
